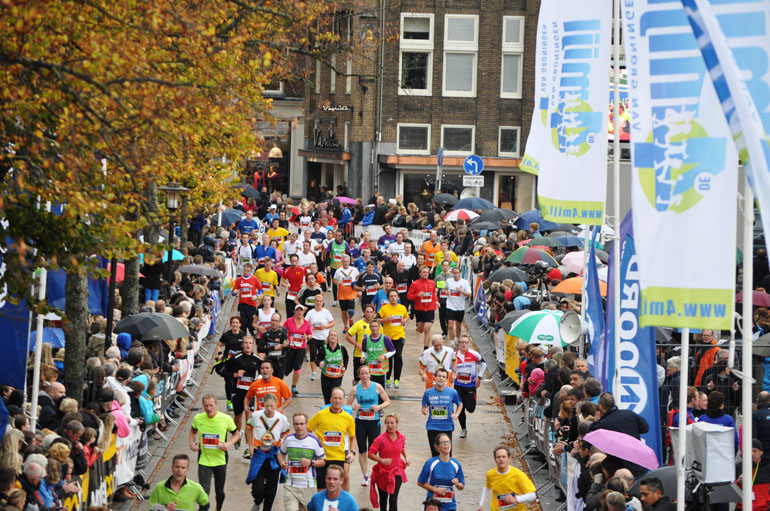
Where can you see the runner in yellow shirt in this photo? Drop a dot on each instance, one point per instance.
(268, 278)
(508, 486)
(277, 233)
(393, 318)
(355, 336)
(330, 425)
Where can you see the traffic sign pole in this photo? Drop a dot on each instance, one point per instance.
(473, 166)
(439, 164)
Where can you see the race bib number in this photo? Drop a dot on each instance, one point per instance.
(501, 501)
(297, 341)
(401, 288)
(244, 382)
(333, 370)
(291, 295)
(266, 285)
(295, 467)
(347, 282)
(367, 415)
(439, 412)
(396, 320)
(464, 377)
(210, 440)
(330, 504)
(455, 294)
(264, 323)
(274, 353)
(333, 438)
(318, 327)
(426, 297)
(375, 367)
(264, 448)
(245, 291)
(442, 293)
(371, 291)
(337, 258)
(449, 495)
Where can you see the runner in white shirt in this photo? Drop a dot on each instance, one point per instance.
(305, 220)
(321, 321)
(300, 453)
(244, 252)
(306, 257)
(291, 246)
(469, 368)
(397, 247)
(408, 257)
(434, 357)
(457, 291)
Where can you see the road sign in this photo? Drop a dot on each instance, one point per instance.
(473, 165)
(473, 180)
(440, 156)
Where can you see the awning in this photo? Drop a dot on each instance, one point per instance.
(490, 162)
(336, 157)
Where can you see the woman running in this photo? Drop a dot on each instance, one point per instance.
(442, 474)
(333, 361)
(366, 411)
(389, 452)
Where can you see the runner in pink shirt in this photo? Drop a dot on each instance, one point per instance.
(299, 330)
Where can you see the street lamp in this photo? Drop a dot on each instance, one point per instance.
(173, 198)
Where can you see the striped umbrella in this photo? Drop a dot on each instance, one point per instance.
(460, 214)
(526, 255)
(539, 327)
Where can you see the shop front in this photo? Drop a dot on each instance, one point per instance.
(326, 161)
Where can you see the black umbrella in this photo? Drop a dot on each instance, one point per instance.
(544, 241)
(148, 326)
(510, 319)
(485, 226)
(200, 269)
(663, 334)
(515, 274)
(250, 192)
(496, 215)
(603, 256)
(558, 234)
(230, 216)
(570, 228)
(445, 198)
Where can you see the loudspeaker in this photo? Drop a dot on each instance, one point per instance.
(571, 327)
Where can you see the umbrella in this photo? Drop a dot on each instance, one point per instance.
(573, 262)
(569, 240)
(497, 215)
(52, 336)
(535, 216)
(574, 286)
(557, 234)
(761, 346)
(663, 334)
(758, 298)
(200, 269)
(515, 274)
(539, 327)
(603, 256)
(230, 216)
(176, 255)
(546, 242)
(148, 326)
(507, 322)
(250, 192)
(485, 226)
(570, 228)
(445, 198)
(345, 200)
(460, 214)
(527, 255)
(473, 203)
(624, 447)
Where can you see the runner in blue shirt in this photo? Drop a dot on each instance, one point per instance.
(442, 474)
(248, 224)
(442, 405)
(333, 497)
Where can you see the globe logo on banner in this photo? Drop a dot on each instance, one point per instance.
(678, 160)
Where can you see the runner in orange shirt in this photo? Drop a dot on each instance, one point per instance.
(266, 385)
(430, 248)
(345, 278)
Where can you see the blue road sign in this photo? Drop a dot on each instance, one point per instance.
(473, 165)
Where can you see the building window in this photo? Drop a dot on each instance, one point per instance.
(317, 76)
(509, 141)
(512, 56)
(273, 89)
(348, 76)
(461, 47)
(416, 54)
(333, 76)
(414, 138)
(457, 140)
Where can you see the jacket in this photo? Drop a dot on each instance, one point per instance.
(49, 414)
(422, 286)
(623, 421)
(760, 421)
(368, 218)
(721, 418)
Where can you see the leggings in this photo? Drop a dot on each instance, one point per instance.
(265, 486)
(442, 319)
(468, 397)
(330, 278)
(204, 478)
(327, 385)
(432, 434)
(397, 360)
(389, 502)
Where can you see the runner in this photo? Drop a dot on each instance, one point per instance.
(178, 491)
(331, 425)
(247, 287)
(277, 233)
(207, 437)
(430, 248)
(264, 314)
(333, 361)
(248, 224)
(244, 252)
(267, 384)
(321, 322)
(423, 293)
(243, 369)
(355, 336)
(376, 350)
(381, 298)
(274, 344)
(264, 250)
(458, 290)
(319, 277)
(299, 330)
(268, 278)
(394, 317)
(508, 486)
(368, 284)
(336, 247)
(293, 278)
(396, 248)
(334, 497)
(371, 399)
(300, 454)
(442, 474)
(309, 291)
(468, 368)
(442, 405)
(345, 278)
(229, 344)
(402, 281)
(306, 257)
(437, 356)
(443, 294)
(265, 430)
(388, 451)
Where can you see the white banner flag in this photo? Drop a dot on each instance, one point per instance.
(684, 173)
(567, 144)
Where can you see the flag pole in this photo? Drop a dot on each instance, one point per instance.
(747, 368)
(682, 431)
(616, 197)
(38, 351)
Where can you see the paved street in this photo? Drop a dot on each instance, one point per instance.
(487, 428)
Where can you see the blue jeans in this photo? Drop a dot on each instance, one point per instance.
(151, 294)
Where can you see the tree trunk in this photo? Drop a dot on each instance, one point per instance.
(184, 222)
(76, 310)
(130, 290)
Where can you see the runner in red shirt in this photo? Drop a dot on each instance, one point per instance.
(423, 293)
(248, 289)
(293, 278)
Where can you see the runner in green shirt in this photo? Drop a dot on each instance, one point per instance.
(208, 436)
(177, 492)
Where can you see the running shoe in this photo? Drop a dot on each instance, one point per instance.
(294, 390)
(335, 304)
(237, 444)
(246, 454)
(229, 406)
(365, 481)
(463, 433)
(395, 384)
(312, 376)
(345, 330)
(387, 383)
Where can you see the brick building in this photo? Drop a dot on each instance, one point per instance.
(457, 74)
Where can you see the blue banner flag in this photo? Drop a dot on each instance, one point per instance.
(481, 306)
(98, 290)
(592, 300)
(638, 370)
(14, 323)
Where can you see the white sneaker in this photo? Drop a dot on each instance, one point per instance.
(312, 376)
(336, 303)
(365, 481)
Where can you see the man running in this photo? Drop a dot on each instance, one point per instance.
(178, 492)
(423, 293)
(394, 317)
(509, 487)
(265, 430)
(458, 290)
(321, 321)
(355, 336)
(345, 278)
(300, 454)
(268, 384)
(376, 350)
(293, 278)
(469, 368)
(247, 288)
(442, 405)
(243, 369)
(368, 284)
(207, 437)
(336, 248)
(268, 278)
(435, 357)
(274, 343)
(331, 425)
(334, 497)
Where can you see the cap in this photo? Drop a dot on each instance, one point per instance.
(299, 306)
(105, 396)
(392, 201)
(273, 206)
(756, 443)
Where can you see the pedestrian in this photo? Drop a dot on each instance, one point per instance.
(760, 420)
(442, 405)
(394, 317)
(207, 437)
(651, 495)
(178, 492)
(468, 368)
(333, 497)
(368, 395)
(760, 481)
(388, 451)
(442, 474)
(331, 426)
(265, 430)
(333, 361)
(509, 487)
(300, 454)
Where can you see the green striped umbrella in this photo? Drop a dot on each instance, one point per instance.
(539, 327)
